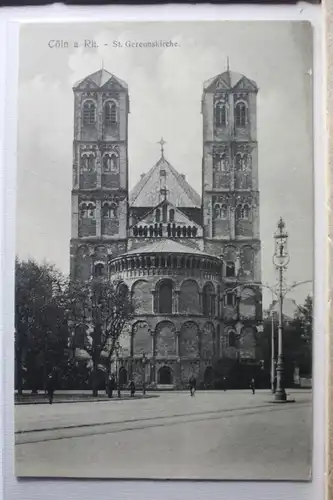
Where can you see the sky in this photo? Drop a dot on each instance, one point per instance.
(165, 88)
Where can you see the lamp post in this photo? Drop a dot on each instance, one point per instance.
(144, 360)
(280, 260)
(272, 347)
(117, 348)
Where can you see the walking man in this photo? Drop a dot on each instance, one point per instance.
(192, 384)
(132, 388)
(111, 386)
(252, 385)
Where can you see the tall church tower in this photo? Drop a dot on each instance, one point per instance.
(100, 173)
(230, 192)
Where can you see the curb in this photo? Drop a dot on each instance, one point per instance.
(86, 400)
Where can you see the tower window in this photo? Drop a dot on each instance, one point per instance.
(230, 269)
(158, 215)
(224, 212)
(243, 212)
(221, 114)
(246, 212)
(163, 173)
(171, 215)
(110, 211)
(110, 163)
(110, 113)
(217, 211)
(87, 211)
(238, 162)
(89, 113)
(241, 114)
(88, 162)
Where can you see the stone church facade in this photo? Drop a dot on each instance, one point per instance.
(191, 262)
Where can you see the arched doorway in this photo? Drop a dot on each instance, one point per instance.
(123, 376)
(165, 376)
(208, 376)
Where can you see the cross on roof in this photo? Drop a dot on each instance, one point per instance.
(162, 142)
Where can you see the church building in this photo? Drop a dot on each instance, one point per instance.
(192, 263)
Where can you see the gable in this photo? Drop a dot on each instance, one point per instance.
(113, 84)
(164, 181)
(87, 83)
(246, 84)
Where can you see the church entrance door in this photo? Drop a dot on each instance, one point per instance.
(165, 376)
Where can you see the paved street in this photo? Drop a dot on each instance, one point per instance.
(213, 435)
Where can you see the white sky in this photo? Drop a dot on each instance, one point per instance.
(165, 87)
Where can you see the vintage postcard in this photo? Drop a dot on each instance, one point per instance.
(165, 247)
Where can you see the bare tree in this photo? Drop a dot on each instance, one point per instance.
(97, 312)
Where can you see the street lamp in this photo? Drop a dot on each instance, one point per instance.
(144, 360)
(117, 349)
(281, 261)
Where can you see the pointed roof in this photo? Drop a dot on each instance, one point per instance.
(229, 80)
(146, 193)
(100, 78)
(165, 245)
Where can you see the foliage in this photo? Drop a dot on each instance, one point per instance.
(97, 311)
(297, 341)
(41, 333)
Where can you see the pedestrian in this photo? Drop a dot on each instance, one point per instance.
(50, 387)
(110, 386)
(224, 383)
(192, 384)
(119, 390)
(132, 388)
(274, 385)
(252, 385)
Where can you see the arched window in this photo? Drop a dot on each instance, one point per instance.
(217, 211)
(246, 160)
(106, 163)
(89, 113)
(110, 113)
(84, 211)
(230, 269)
(158, 215)
(240, 114)
(221, 114)
(232, 339)
(88, 162)
(239, 212)
(109, 211)
(171, 215)
(224, 160)
(91, 211)
(164, 302)
(99, 270)
(238, 162)
(224, 212)
(208, 300)
(114, 163)
(246, 212)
